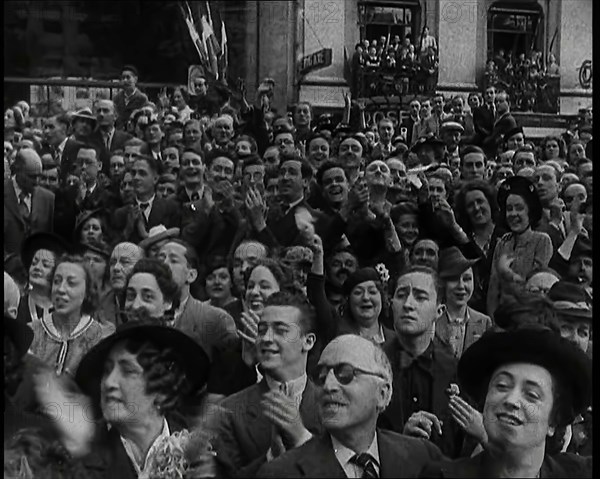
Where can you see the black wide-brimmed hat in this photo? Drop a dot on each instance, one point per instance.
(192, 357)
(524, 187)
(569, 301)
(453, 263)
(20, 334)
(567, 364)
(42, 240)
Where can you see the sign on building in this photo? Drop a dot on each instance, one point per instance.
(315, 61)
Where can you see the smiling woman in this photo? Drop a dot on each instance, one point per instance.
(62, 337)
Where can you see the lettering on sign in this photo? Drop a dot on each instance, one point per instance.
(315, 61)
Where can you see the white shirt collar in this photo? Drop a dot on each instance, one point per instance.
(459, 320)
(61, 147)
(150, 201)
(294, 388)
(18, 189)
(344, 456)
(191, 192)
(129, 447)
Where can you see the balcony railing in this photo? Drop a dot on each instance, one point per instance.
(49, 96)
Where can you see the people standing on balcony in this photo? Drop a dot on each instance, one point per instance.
(129, 98)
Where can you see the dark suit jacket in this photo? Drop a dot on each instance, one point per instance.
(117, 142)
(443, 372)
(124, 111)
(559, 465)
(483, 122)
(282, 231)
(243, 433)
(164, 212)
(400, 456)
(16, 228)
(502, 125)
(68, 158)
(477, 324)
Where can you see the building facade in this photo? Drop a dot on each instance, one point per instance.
(275, 38)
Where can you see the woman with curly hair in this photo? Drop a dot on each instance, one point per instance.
(62, 337)
(553, 148)
(151, 291)
(476, 212)
(133, 383)
(219, 288)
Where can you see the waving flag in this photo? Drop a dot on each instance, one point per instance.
(223, 59)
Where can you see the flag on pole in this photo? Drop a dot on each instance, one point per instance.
(212, 47)
(196, 40)
(223, 59)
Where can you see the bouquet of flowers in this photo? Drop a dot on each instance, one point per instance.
(182, 455)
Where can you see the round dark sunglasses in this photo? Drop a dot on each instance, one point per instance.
(344, 373)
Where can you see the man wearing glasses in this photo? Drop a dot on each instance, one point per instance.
(353, 382)
(28, 208)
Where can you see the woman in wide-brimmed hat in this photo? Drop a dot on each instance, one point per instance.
(529, 383)
(134, 381)
(38, 255)
(522, 249)
(460, 325)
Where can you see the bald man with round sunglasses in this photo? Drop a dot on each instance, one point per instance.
(353, 382)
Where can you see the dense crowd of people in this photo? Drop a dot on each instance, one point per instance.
(533, 85)
(204, 287)
(394, 66)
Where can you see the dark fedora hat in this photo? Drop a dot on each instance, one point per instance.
(20, 334)
(42, 240)
(99, 247)
(582, 247)
(192, 357)
(359, 276)
(524, 187)
(512, 132)
(130, 68)
(430, 140)
(452, 263)
(569, 300)
(567, 364)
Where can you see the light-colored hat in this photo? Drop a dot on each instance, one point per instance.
(158, 233)
(451, 126)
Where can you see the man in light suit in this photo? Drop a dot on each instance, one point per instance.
(354, 385)
(460, 325)
(28, 208)
(261, 421)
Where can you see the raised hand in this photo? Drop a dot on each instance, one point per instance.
(69, 410)
(468, 418)
(421, 424)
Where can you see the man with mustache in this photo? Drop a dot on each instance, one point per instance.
(353, 385)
